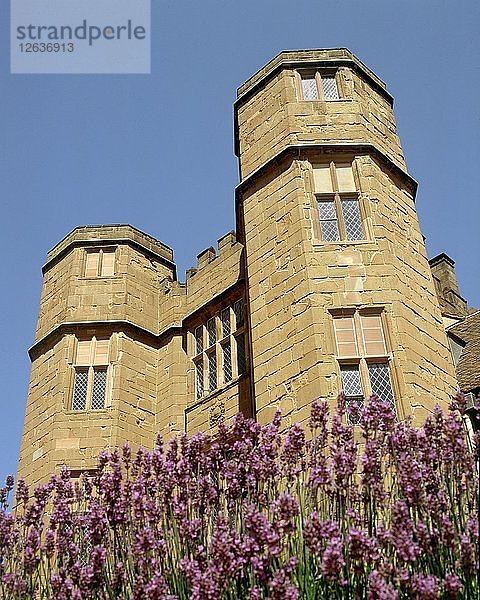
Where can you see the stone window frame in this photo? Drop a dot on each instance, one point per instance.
(212, 343)
(361, 358)
(336, 196)
(94, 364)
(100, 267)
(317, 74)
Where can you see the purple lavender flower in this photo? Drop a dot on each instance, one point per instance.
(379, 589)
(452, 586)
(293, 449)
(425, 587)
(318, 421)
(215, 516)
(285, 509)
(281, 586)
(402, 533)
(333, 560)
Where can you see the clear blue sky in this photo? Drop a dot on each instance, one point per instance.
(156, 150)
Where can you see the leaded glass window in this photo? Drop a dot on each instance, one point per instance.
(339, 212)
(315, 85)
(218, 349)
(330, 90)
(363, 358)
(352, 385)
(239, 313)
(211, 332)
(99, 388)
(380, 382)
(199, 378)
(90, 384)
(80, 387)
(328, 221)
(225, 319)
(212, 371)
(353, 391)
(241, 357)
(227, 362)
(199, 340)
(309, 88)
(352, 219)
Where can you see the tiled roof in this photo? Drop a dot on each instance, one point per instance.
(468, 367)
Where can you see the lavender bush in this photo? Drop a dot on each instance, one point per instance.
(382, 510)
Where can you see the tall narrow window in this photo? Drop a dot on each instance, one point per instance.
(317, 85)
(91, 375)
(227, 362)
(211, 332)
(353, 390)
(199, 383)
(239, 313)
(241, 357)
(199, 340)
(223, 357)
(212, 371)
(338, 204)
(80, 387)
(328, 220)
(329, 87)
(362, 356)
(309, 87)
(99, 387)
(100, 263)
(380, 381)
(225, 320)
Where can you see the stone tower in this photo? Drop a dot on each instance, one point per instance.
(325, 286)
(339, 289)
(95, 359)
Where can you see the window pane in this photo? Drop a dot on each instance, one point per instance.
(239, 314)
(211, 331)
(108, 263)
(91, 266)
(198, 340)
(345, 179)
(380, 382)
(101, 353)
(225, 319)
(329, 231)
(309, 88)
(79, 401)
(212, 371)
(345, 336)
(326, 209)
(328, 221)
(372, 332)
(84, 349)
(227, 362)
(99, 388)
(241, 357)
(352, 220)
(322, 179)
(352, 385)
(329, 85)
(199, 378)
(354, 407)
